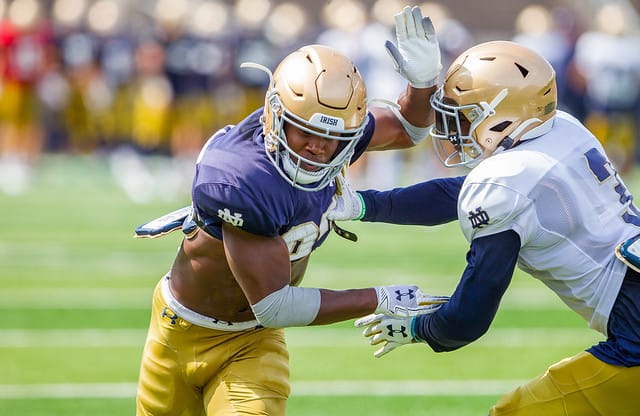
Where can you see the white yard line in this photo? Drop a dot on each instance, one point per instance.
(80, 338)
(140, 298)
(298, 388)
(296, 337)
(403, 387)
(76, 298)
(67, 391)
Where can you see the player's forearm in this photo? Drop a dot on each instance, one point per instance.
(448, 333)
(336, 306)
(464, 319)
(415, 106)
(473, 305)
(427, 203)
(403, 124)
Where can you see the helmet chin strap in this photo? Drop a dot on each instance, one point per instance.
(508, 141)
(538, 131)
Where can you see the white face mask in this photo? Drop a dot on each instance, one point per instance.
(300, 175)
(289, 163)
(449, 129)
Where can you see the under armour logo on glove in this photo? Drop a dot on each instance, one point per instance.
(404, 300)
(387, 331)
(392, 332)
(409, 293)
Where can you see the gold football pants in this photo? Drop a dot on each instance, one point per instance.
(580, 385)
(190, 370)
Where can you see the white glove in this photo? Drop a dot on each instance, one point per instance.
(347, 203)
(403, 301)
(391, 332)
(417, 57)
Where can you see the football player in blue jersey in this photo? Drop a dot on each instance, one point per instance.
(542, 195)
(260, 197)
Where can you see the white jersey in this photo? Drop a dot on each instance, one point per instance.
(569, 207)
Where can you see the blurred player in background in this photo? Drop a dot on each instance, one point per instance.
(541, 194)
(611, 79)
(24, 54)
(260, 195)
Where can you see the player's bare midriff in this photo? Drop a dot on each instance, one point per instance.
(202, 281)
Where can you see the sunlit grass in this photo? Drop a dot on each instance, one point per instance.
(69, 262)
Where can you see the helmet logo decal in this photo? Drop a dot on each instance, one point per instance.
(549, 108)
(235, 219)
(328, 120)
(324, 121)
(478, 218)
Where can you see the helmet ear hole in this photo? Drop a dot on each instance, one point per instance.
(500, 127)
(524, 71)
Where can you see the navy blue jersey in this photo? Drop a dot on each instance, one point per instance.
(236, 182)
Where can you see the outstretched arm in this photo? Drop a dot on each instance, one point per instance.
(417, 58)
(427, 203)
(261, 266)
(469, 312)
(467, 316)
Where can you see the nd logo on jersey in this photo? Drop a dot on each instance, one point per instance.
(478, 218)
(235, 219)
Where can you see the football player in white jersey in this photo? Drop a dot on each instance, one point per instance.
(541, 195)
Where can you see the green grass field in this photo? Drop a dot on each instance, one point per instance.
(75, 290)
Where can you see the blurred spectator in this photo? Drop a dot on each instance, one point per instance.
(24, 49)
(453, 36)
(549, 32)
(89, 76)
(152, 95)
(607, 59)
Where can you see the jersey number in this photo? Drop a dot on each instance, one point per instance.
(603, 170)
(301, 238)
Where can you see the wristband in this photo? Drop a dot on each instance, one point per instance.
(363, 208)
(416, 134)
(413, 330)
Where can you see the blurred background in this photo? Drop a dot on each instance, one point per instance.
(144, 83)
(104, 106)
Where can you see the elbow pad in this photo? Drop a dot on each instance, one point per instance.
(289, 306)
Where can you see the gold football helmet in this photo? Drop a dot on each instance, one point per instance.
(320, 91)
(494, 94)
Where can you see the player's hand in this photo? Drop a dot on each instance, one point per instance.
(386, 330)
(406, 300)
(347, 203)
(417, 56)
